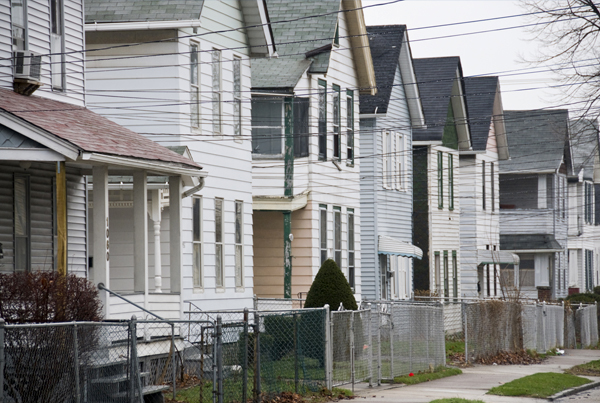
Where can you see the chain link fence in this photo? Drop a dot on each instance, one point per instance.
(586, 325)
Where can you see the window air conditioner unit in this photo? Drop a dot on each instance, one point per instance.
(27, 71)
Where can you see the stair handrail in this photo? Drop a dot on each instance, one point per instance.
(101, 286)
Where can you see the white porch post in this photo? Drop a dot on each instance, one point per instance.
(175, 186)
(156, 218)
(100, 233)
(140, 235)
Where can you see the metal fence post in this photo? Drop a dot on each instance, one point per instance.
(245, 359)
(328, 349)
(352, 330)
(464, 306)
(220, 359)
(2, 328)
(410, 345)
(173, 361)
(296, 344)
(256, 357)
(75, 363)
(378, 346)
(391, 341)
(370, 341)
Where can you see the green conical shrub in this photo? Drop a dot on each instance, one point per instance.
(330, 287)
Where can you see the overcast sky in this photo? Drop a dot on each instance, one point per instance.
(498, 52)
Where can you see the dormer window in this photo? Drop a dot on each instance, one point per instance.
(19, 24)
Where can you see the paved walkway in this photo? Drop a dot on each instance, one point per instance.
(474, 382)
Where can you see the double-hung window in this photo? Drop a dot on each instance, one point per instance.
(197, 230)
(19, 24)
(57, 55)
(455, 275)
(440, 170)
(450, 181)
(400, 155)
(322, 120)
(446, 276)
(388, 159)
(219, 265)
(194, 85)
(22, 221)
(323, 231)
(337, 235)
(492, 187)
(216, 90)
(237, 97)
(350, 126)
(351, 267)
(483, 179)
(267, 125)
(337, 138)
(239, 255)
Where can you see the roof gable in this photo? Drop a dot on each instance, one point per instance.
(536, 140)
(584, 146)
(480, 93)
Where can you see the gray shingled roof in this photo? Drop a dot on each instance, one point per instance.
(536, 140)
(385, 42)
(528, 242)
(141, 10)
(584, 146)
(480, 93)
(435, 77)
(304, 33)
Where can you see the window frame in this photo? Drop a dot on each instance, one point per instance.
(446, 276)
(350, 127)
(197, 244)
(322, 119)
(455, 275)
(57, 45)
(337, 121)
(237, 67)
(219, 244)
(351, 248)
(23, 44)
(323, 232)
(483, 187)
(450, 181)
(492, 187)
(440, 160)
(281, 136)
(217, 91)
(195, 121)
(26, 217)
(239, 244)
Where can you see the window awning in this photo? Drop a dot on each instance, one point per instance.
(496, 257)
(392, 246)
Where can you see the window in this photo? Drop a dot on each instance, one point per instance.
(219, 272)
(526, 270)
(350, 126)
(483, 185)
(216, 90)
(239, 256)
(454, 275)
(492, 187)
(564, 197)
(19, 24)
(351, 267)
(57, 56)
(437, 271)
(450, 181)
(383, 272)
(323, 232)
(446, 276)
(589, 203)
(301, 129)
(440, 167)
(237, 97)
(337, 140)
(267, 125)
(589, 270)
(322, 120)
(337, 236)
(400, 155)
(22, 220)
(194, 86)
(388, 160)
(336, 38)
(197, 230)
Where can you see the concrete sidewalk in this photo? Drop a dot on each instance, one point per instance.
(474, 382)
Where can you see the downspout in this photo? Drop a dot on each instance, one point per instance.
(195, 189)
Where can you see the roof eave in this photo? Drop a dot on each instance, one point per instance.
(361, 51)
(140, 25)
(409, 80)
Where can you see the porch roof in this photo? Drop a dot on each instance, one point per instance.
(496, 257)
(392, 246)
(81, 134)
(530, 242)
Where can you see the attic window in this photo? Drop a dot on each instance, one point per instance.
(336, 38)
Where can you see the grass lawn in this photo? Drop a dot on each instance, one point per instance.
(454, 347)
(440, 372)
(456, 400)
(591, 368)
(539, 385)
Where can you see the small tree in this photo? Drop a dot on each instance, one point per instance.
(39, 364)
(330, 287)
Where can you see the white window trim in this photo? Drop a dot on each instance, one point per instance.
(238, 98)
(322, 209)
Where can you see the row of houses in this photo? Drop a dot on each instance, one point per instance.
(198, 153)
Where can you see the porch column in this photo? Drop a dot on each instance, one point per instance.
(61, 218)
(100, 233)
(140, 234)
(156, 218)
(175, 232)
